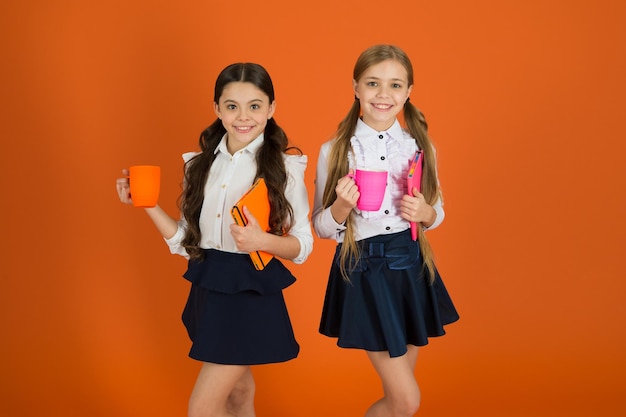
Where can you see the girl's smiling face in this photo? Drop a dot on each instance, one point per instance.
(244, 110)
(382, 90)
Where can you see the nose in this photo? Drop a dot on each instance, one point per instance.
(383, 91)
(243, 114)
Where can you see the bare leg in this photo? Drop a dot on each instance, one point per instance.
(211, 395)
(241, 399)
(401, 393)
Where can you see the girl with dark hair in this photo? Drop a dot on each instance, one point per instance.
(236, 315)
(384, 293)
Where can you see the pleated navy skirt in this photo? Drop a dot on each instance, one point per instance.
(237, 315)
(389, 302)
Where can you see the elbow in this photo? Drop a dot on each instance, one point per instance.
(306, 247)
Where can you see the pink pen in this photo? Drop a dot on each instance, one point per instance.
(414, 180)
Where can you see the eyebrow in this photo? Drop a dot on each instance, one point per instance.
(256, 100)
(377, 78)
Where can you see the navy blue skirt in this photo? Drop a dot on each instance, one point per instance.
(237, 315)
(389, 302)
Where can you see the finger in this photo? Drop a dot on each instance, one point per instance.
(122, 182)
(348, 193)
(123, 190)
(355, 197)
(407, 200)
(345, 182)
(249, 216)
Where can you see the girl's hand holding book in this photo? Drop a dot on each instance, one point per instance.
(248, 238)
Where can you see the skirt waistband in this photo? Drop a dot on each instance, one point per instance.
(231, 273)
(397, 250)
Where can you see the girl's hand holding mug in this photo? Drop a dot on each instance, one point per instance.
(123, 188)
(140, 185)
(347, 196)
(347, 191)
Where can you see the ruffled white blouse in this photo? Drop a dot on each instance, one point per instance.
(392, 151)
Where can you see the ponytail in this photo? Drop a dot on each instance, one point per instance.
(338, 167)
(418, 128)
(271, 167)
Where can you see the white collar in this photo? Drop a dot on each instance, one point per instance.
(251, 147)
(364, 131)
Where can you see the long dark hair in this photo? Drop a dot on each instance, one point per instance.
(270, 163)
(338, 157)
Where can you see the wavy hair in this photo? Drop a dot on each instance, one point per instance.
(269, 158)
(338, 156)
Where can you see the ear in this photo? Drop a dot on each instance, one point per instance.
(216, 109)
(408, 93)
(272, 109)
(354, 86)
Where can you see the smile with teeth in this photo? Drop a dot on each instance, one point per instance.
(382, 106)
(243, 129)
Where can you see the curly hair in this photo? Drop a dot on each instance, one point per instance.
(269, 158)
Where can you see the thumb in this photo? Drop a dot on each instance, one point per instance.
(251, 219)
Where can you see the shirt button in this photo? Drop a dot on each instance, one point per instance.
(386, 211)
(382, 158)
(219, 215)
(380, 136)
(387, 228)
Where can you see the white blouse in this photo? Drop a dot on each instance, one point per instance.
(230, 177)
(391, 151)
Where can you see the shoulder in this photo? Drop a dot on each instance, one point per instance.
(325, 148)
(406, 135)
(187, 156)
(295, 162)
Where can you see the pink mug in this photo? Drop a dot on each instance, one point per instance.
(372, 185)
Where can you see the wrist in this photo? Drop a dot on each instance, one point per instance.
(431, 217)
(339, 213)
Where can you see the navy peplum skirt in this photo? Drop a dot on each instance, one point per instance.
(237, 315)
(389, 302)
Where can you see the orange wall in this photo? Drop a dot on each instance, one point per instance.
(525, 101)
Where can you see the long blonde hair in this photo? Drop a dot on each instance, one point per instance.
(338, 156)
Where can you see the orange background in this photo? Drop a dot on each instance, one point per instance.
(525, 100)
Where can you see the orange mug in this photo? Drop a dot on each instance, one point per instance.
(145, 184)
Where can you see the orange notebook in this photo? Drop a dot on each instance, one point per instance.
(255, 199)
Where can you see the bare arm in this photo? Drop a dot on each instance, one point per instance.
(166, 225)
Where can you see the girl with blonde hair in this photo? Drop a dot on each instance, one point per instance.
(384, 293)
